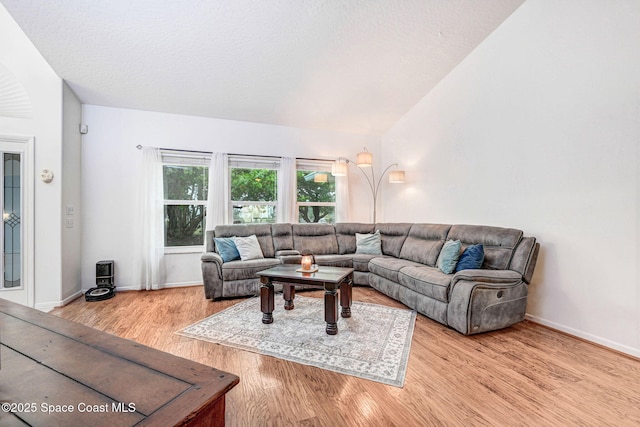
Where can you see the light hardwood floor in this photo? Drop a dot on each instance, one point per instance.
(526, 375)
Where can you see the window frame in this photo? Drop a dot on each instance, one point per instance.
(178, 158)
(314, 166)
(253, 162)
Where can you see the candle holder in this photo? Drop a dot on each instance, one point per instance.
(308, 264)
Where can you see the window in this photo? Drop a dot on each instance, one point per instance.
(185, 181)
(316, 192)
(254, 189)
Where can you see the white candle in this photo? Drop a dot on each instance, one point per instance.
(306, 262)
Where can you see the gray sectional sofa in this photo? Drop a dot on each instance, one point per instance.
(469, 301)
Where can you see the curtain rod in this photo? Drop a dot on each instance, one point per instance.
(139, 147)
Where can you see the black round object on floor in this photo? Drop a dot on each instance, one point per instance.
(100, 293)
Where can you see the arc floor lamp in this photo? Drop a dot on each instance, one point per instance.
(364, 161)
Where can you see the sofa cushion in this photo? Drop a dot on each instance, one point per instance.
(389, 267)
(346, 235)
(424, 242)
(334, 260)
(239, 270)
(361, 261)
(262, 232)
(282, 237)
(471, 258)
(319, 239)
(427, 281)
(226, 247)
(368, 243)
(449, 255)
(393, 237)
(499, 243)
(248, 247)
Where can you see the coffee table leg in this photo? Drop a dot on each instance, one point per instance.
(266, 301)
(331, 311)
(288, 293)
(345, 297)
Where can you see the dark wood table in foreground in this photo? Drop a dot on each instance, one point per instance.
(331, 279)
(54, 372)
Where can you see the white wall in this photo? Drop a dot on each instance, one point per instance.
(71, 224)
(539, 129)
(111, 165)
(44, 88)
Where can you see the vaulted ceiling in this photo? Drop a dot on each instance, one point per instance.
(347, 65)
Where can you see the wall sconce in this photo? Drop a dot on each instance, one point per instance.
(364, 159)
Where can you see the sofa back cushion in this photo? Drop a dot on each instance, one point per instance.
(524, 258)
(499, 243)
(282, 237)
(393, 236)
(424, 242)
(346, 235)
(262, 232)
(319, 239)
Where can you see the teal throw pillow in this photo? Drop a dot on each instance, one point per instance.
(471, 258)
(449, 255)
(226, 247)
(369, 243)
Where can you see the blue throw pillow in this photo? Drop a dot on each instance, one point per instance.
(471, 258)
(449, 255)
(226, 247)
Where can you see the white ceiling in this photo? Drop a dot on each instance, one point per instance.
(348, 65)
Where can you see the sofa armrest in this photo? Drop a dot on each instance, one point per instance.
(486, 300)
(212, 274)
(487, 276)
(289, 256)
(211, 257)
(287, 252)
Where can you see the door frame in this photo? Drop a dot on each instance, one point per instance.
(26, 146)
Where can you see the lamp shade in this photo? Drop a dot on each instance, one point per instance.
(396, 177)
(364, 159)
(320, 177)
(339, 168)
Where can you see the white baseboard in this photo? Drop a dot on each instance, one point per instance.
(182, 284)
(167, 285)
(586, 336)
(48, 306)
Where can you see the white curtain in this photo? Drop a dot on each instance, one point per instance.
(218, 197)
(342, 198)
(287, 198)
(151, 221)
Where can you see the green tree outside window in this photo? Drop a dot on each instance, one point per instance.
(185, 193)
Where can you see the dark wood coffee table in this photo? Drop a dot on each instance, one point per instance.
(57, 372)
(331, 279)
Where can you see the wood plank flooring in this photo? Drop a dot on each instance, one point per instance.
(526, 375)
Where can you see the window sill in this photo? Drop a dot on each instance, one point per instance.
(169, 250)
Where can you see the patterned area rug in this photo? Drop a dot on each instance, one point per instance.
(373, 344)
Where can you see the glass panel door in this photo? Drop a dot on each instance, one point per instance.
(11, 233)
